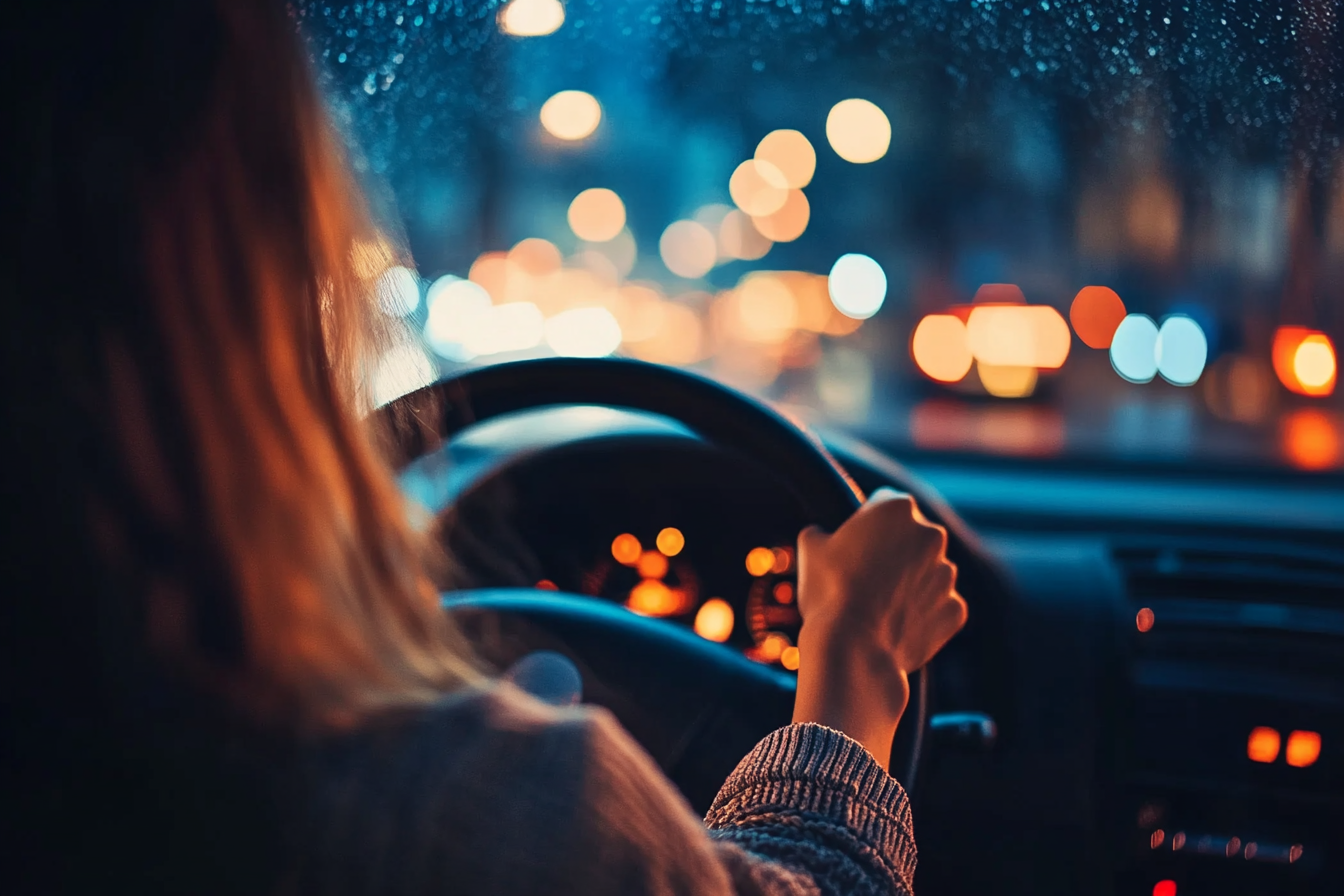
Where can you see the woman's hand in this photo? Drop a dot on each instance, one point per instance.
(878, 600)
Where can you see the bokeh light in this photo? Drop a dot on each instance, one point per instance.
(791, 153)
(760, 561)
(677, 336)
(512, 327)
(597, 215)
(1317, 361)
(1312, 439)
(1144, 619)
(739, 238)
(758, 188)
(789, 658)
(1180, 350)
(688, 249)
(1314, 364)
(858, 131)
(765, 309)
(940, 348)
(571, 115)
(714, 620)
(652, 565)
(583, 333)
(1096, 312)
(857, 285)
(531, 18)
(1018, 336)
(670, 541)
(1134, 348)
(626, 549)
(1006, 381)
(652, 598)
(621, 250)
(398, 291)
(536, 256)
(787, 223)
(454, 306)
(772, 647)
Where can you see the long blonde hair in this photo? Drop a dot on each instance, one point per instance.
(253, 532)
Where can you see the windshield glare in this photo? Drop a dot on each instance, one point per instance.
(1025, 228)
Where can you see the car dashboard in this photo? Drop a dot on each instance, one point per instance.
(1154, 667)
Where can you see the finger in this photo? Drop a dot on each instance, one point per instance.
(886, 493)
(811, 539)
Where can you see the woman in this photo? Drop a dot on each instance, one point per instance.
(226, 668)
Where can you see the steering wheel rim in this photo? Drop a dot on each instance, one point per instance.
(421, 421)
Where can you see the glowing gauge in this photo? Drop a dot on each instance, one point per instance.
(647, 582)
(772, 607)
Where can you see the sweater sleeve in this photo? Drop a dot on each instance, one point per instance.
(811, 798)
(498, 794)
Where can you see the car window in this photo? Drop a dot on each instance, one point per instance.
(1110, 229)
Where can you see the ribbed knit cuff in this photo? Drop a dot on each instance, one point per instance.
(813, 769)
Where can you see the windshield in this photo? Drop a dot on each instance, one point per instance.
(1046, 228)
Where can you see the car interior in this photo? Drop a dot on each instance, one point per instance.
(690, 276)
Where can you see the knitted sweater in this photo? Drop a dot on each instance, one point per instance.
(491, 792)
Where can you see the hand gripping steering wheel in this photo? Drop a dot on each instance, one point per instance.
(696, 706)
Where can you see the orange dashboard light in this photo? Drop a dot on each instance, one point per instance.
(670, 541)
(626, 549)
(1164, 888)
(1263, 745)
(652, 598)
(714, 620)
(760, 561)
(651, 565)
(1304, 748)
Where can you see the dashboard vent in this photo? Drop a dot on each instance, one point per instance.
(1251, 572)
(1279, 605)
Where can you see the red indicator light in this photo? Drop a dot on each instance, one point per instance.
(1164, 888)
(1304, 748)
(1262, 745)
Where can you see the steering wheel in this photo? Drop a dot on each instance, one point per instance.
(697, 706)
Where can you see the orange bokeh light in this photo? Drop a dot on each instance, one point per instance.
(1018, 336)
(999, 294)
(788, 222)
(536, 256)
(1310, 439)
(1144, 619)
(714, 620)
(940, 348)
(670, 541)
(1096, 313)
(773, 647)
(784, 592)
(652, 565)
(760, 561)
(652, 598)
(626, 549)
(1305, 361)
(1304, 748)
(789, 658)
(1262, 745)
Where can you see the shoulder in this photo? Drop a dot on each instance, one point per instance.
(491, 790)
